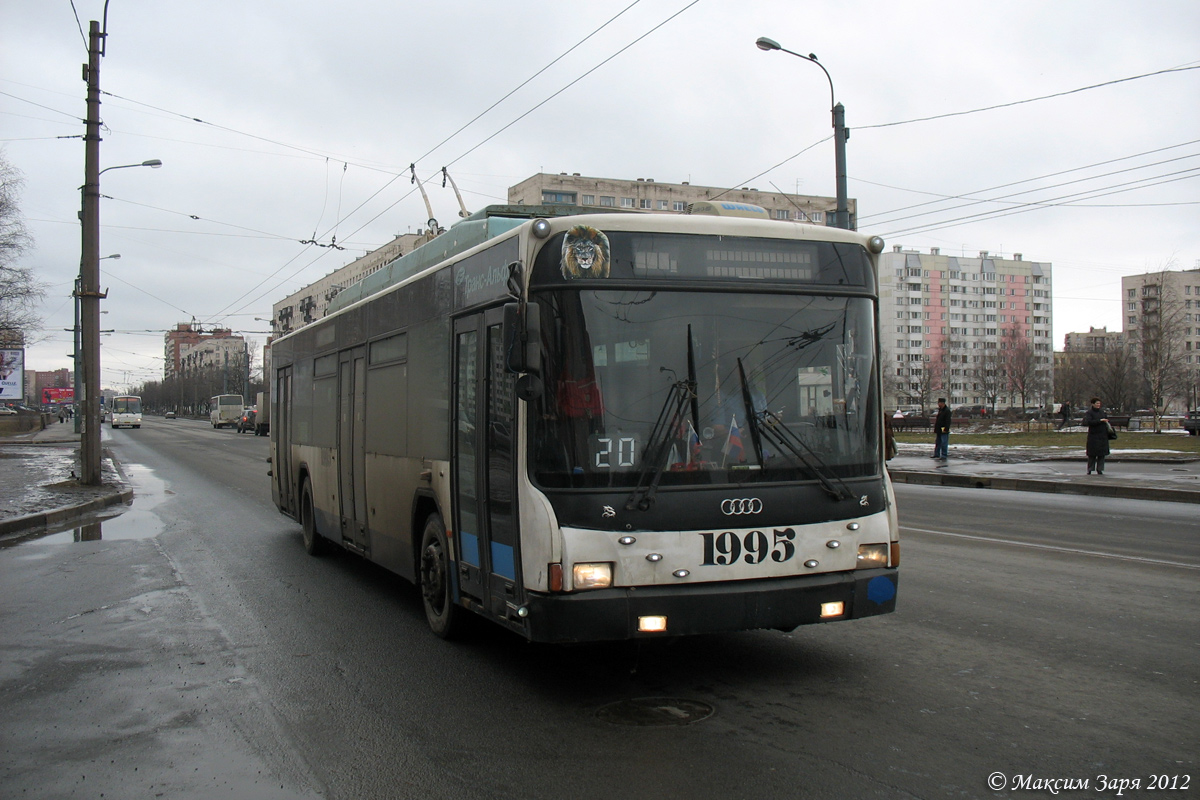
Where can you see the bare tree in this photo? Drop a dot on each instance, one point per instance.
(991, 373)
(20, 292)
(1071, 384)
(1110, 376)
(1025, 366)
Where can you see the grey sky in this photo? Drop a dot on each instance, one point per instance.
(312, 113)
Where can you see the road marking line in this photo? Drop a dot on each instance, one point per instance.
(1072, 550)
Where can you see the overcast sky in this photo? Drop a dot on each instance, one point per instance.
(280, 122)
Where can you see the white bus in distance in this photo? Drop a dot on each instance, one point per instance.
(127, 412)
(225, 410)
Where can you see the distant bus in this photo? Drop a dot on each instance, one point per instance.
(127, 411)
(225, 410)
(602, 426)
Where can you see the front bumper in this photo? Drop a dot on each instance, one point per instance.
(779, 603)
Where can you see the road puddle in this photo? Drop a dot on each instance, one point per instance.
(137, 521)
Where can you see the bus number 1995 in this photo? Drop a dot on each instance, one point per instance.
(723, 549)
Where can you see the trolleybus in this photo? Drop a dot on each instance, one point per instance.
(126, 411)
(598, 427)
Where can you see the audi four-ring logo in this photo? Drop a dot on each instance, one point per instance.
(743, 505)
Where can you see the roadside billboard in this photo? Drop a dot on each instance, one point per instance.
(12, 376)
(55, 396)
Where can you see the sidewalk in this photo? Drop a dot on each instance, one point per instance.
(38, 485)
(1130, 474)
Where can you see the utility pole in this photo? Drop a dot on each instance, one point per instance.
(840, 135)
(89, 267)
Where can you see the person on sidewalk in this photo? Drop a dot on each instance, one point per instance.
(1096, 422)
(941, 431)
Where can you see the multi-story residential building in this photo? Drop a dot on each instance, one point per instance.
(1096, 340)
(1161, 312)
(189, 350)
(1165, 301)
(974, 330)
(647, 194)
(309, 304)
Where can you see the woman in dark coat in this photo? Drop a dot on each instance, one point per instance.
(1097, 442)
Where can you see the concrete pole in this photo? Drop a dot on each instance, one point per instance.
(840, 135)
(89, 268)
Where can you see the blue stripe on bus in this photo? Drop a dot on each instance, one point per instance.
(503, 562)
(470, 548)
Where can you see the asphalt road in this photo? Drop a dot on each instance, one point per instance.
(194, 650)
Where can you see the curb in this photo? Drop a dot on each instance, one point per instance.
(1046, 486)
(56, 516)
(62, 514)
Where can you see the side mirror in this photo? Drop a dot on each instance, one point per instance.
(523, 337)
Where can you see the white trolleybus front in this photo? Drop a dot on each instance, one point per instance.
(602, 426)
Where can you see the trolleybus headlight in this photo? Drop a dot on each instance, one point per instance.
(871, 556)
(592, 576)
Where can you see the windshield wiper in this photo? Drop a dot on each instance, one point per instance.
(776, 432)
(654, 456)
(680, 399)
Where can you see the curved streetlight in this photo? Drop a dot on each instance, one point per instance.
(89, 285)
(840, 134)
(152, 163)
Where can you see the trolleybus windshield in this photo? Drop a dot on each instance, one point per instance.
(783, 387)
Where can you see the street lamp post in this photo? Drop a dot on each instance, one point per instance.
(89, 289)
(840, 134)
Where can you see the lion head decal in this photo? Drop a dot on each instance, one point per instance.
(585, 253)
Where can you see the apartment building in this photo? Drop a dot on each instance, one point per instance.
(1164, 305)
(975, 330)
(647, 194)
(1096, 340)
(189, 350)
(309, 304)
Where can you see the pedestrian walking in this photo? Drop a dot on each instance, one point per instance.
(941, 431)
(1096, 422)
(1066, 415)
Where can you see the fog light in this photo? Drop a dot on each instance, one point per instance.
(832, 609)
(652, 624)
(871, 556)
(592, 576)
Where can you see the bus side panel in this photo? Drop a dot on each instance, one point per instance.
(391, 483)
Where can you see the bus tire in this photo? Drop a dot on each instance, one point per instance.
(314, 543)
(433, 576)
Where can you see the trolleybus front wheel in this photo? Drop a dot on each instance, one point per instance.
(434, 575)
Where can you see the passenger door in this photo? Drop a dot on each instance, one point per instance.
(352, 446)
(486, 535)
(281, 433)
